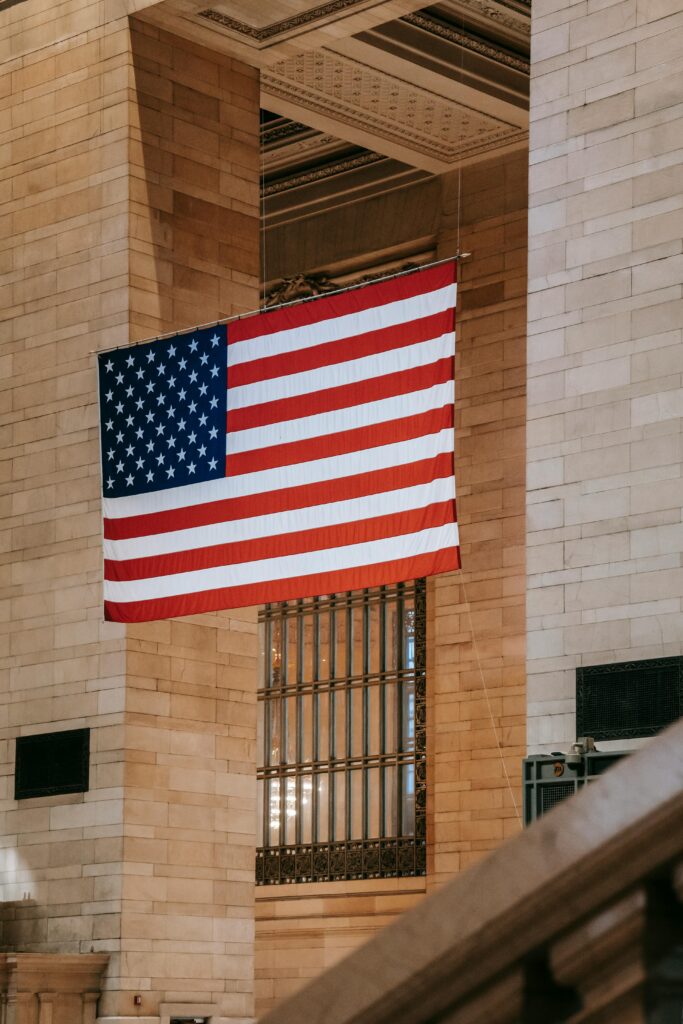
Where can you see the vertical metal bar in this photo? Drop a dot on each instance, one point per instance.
(400, 652)
(382, 703)
(299, 742)
(284, 629)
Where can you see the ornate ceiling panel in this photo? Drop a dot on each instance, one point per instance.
(373, 101)
(430, 86)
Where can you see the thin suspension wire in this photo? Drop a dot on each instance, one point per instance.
(488, 699)
(462, 76)
(262, 289)
(283, 305)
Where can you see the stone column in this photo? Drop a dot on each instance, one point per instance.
(129, 166)
(605, 360)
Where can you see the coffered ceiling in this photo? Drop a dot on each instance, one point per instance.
(431, 87)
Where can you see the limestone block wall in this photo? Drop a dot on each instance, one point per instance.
(476, 718)
(64, 291)
(476, 618)
(605, 360)
(127, 207)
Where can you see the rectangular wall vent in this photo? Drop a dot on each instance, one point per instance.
(548, 779)
(52, 763)
(629, 699)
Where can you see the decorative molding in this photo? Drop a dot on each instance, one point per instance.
(368, 99)
(320, 173)
(309, 144)
(466, 40)
(282, 131)
(261, 35)
(498, 13)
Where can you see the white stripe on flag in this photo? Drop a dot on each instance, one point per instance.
(402, 453)
(325, 377)
(387, 549)
(339, 420)
(311, 518)
(295, 339)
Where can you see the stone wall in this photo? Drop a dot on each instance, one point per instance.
(476, 718)
(128, 206)
(476, 619)
(605, 489)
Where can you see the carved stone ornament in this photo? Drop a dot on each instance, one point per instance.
(300, 286)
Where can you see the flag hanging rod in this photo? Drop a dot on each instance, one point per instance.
(282, 305)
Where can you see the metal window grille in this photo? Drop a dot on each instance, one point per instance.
(628, 699)
(341, 777)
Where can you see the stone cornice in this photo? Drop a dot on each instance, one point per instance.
(466, 40)
(320, 173)
(277, 28)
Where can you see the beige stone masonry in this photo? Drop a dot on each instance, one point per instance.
(128, 206)
(475, 682)
(50, 988)
(605, 384)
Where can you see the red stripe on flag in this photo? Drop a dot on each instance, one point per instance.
(279, 545)
(342, 443)
(342, 489)
(333, 352)
(343, 397)
(445, 560)
(328, 307)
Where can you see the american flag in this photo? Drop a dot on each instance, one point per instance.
(325, 465)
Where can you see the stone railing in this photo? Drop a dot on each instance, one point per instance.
(578, 919)
(50, 988)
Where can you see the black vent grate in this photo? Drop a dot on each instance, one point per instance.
(52, 763)
(628, 699)
(551, 795)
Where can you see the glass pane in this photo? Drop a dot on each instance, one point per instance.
(274, 812)
(305, 808)
(390, 638)
(408, 633)
(275, 651)
(372, 798)
(274, 731)
(408, 800)
(324, 645)
(339, 703)
(292, 630)
(357, 664)
(407, 715)
(290, 810)
(306, 718)
(374, 639)
(338, 782)
(263, 668)
(340, 665)
(308, 623)
(261, 838)
(355, 698)
(373, 693)
(390, 825)
(290, 755)
(357, 809)
(260, 730)
(322, 726)
(390, 713)
(322, 815)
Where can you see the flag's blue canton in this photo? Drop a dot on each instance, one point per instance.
(162, 413)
